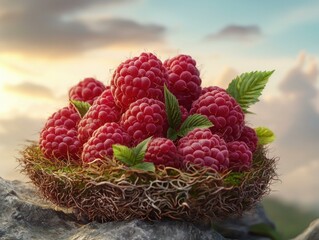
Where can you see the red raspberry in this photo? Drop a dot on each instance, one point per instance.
(211, 88)
(183, 79)
(144, 118)
(223, 111)
(136, 78)
(203, 148)
(184, 113)
(240, 156)
(249, 137)
(87, 90)
(100, 144)
(58, 138)
(102, 111)
(162, 151)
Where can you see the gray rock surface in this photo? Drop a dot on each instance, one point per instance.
(239, 227)
(24, 215)
(311, 233)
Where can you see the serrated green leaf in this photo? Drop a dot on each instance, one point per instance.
(265, 230)
(123, 154)
(173, 111)
(81, 107)
(192, 122)
(171, 134)
(264, 135)
(247, 87)
(140, 150)
(145, 166)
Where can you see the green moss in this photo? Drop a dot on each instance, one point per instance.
(234, 178)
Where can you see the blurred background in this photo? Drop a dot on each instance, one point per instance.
(48, 46)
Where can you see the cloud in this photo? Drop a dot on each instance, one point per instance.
(29, 89)
(14, 131)
(295, 121)
(15, 67)
(13, 136)
(299, 87)
(48, 28)
(300, 185)
(225, 77)
(294, 116)
(236, 33)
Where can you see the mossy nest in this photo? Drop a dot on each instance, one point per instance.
(111, 191)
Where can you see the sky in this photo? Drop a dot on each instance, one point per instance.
(46, 47)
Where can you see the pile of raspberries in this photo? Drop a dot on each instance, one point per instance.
(132, 109)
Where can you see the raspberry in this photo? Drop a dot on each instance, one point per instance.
(142, 76)
(102, 111)
(58, 138)
(211, 88)
(144, 118)
(223, 111)
(240, 156)
(203, 148)
(183, 79)
(100, 144)
(87, 90)
(249, 137)
(162, 151)
(184, 113)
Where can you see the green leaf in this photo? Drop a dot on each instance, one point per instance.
(145, 166)
(81, 107)
(124, 154)
(264, 135)
(172, 134)
(265, 230)
(247, 87)
(173, 111)
(192, 122)
(140, 150)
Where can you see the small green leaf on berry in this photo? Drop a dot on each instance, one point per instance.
(192, 122)
(145, 166)
(247, 87)
(123, 154)
(140, 150)
(131, 156)
(173, 111)
(81, 107)
(264, 135)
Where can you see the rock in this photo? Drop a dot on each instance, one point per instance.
(24, 216)
(240, 227)
(311, 233)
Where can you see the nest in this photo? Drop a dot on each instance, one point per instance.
(112, 192)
